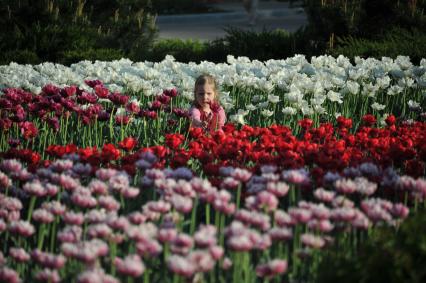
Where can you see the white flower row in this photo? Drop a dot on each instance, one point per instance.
(304, 85)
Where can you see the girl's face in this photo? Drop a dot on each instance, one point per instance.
(205, 94)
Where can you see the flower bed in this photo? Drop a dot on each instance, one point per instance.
(97, 185)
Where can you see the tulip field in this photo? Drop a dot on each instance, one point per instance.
(103, 180)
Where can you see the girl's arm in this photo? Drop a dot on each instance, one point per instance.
(221, 118)
(195, 117)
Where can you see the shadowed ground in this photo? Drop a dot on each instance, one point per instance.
(272, 15)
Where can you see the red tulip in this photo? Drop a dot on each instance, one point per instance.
(128, 143)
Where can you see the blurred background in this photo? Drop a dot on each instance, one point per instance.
(68, 31)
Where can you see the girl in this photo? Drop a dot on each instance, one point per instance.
(206, 112)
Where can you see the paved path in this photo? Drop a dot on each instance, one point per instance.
(272, 15)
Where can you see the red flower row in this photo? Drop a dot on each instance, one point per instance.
(322, 149)
(18, 106)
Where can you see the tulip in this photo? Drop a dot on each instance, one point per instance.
(132, 265)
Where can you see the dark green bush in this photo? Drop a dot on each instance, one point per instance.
(378, 16)
(275, 44)
(182, 50)
(49, 29)
(101, 54)
(395, 42)
(390, 256)
(164, 7)
(263, 45)
(20, 57)
(363, 18)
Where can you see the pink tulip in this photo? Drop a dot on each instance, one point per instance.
(184, 188)
(344, 214)
(67, 182)
(365, 187)
(19, 254)
(323, 225)
(296, 176)
(137, 218)
(22, 228)
(11, 203)
(9, 275)
(159, 206)
(345, 186)
(226, 264)
(280, 234)
(48, 260)
(5, 182)
(82, 198)
(182, 244)
(35, 188)
(61, 165)
(312, 241)
(300, 215)
(240, 243)
(266, 201)
(216, 252)
(149, 248)
(48, 275)
(205, 236)
(341, 201)
(181, 204)
(324, 195)
(73, 218)
(167, 235)
(118, 222)
(202, 260)
(241, 175)
(360, 221)
(181, 265)
(279, 189)
(132, 265)
(109, 203)
(95, 276)
(98, 187)
(104, 174)
(11, 165)
(130, 192)
(320, 211)
(43, 216)
(70, 234)
(100, 230)
(230, 183)
(272, 268)
(400, 210)
(2, 259)
(118, 182)
(282, 219)
(3, 225)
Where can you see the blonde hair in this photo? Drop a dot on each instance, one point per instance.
(208, 79)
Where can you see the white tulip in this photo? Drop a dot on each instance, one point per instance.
(273, 98)
(334, 96)
(263, 105)
(267, 113)
(251, 107)
(377, 106)
(239, 119)
(289, 111)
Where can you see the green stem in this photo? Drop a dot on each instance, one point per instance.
(238, 196)
(146, 276)
(53, 234)
(40, 238)
(208, 213)
(193, 217)
(31, 208)
(113, 254)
